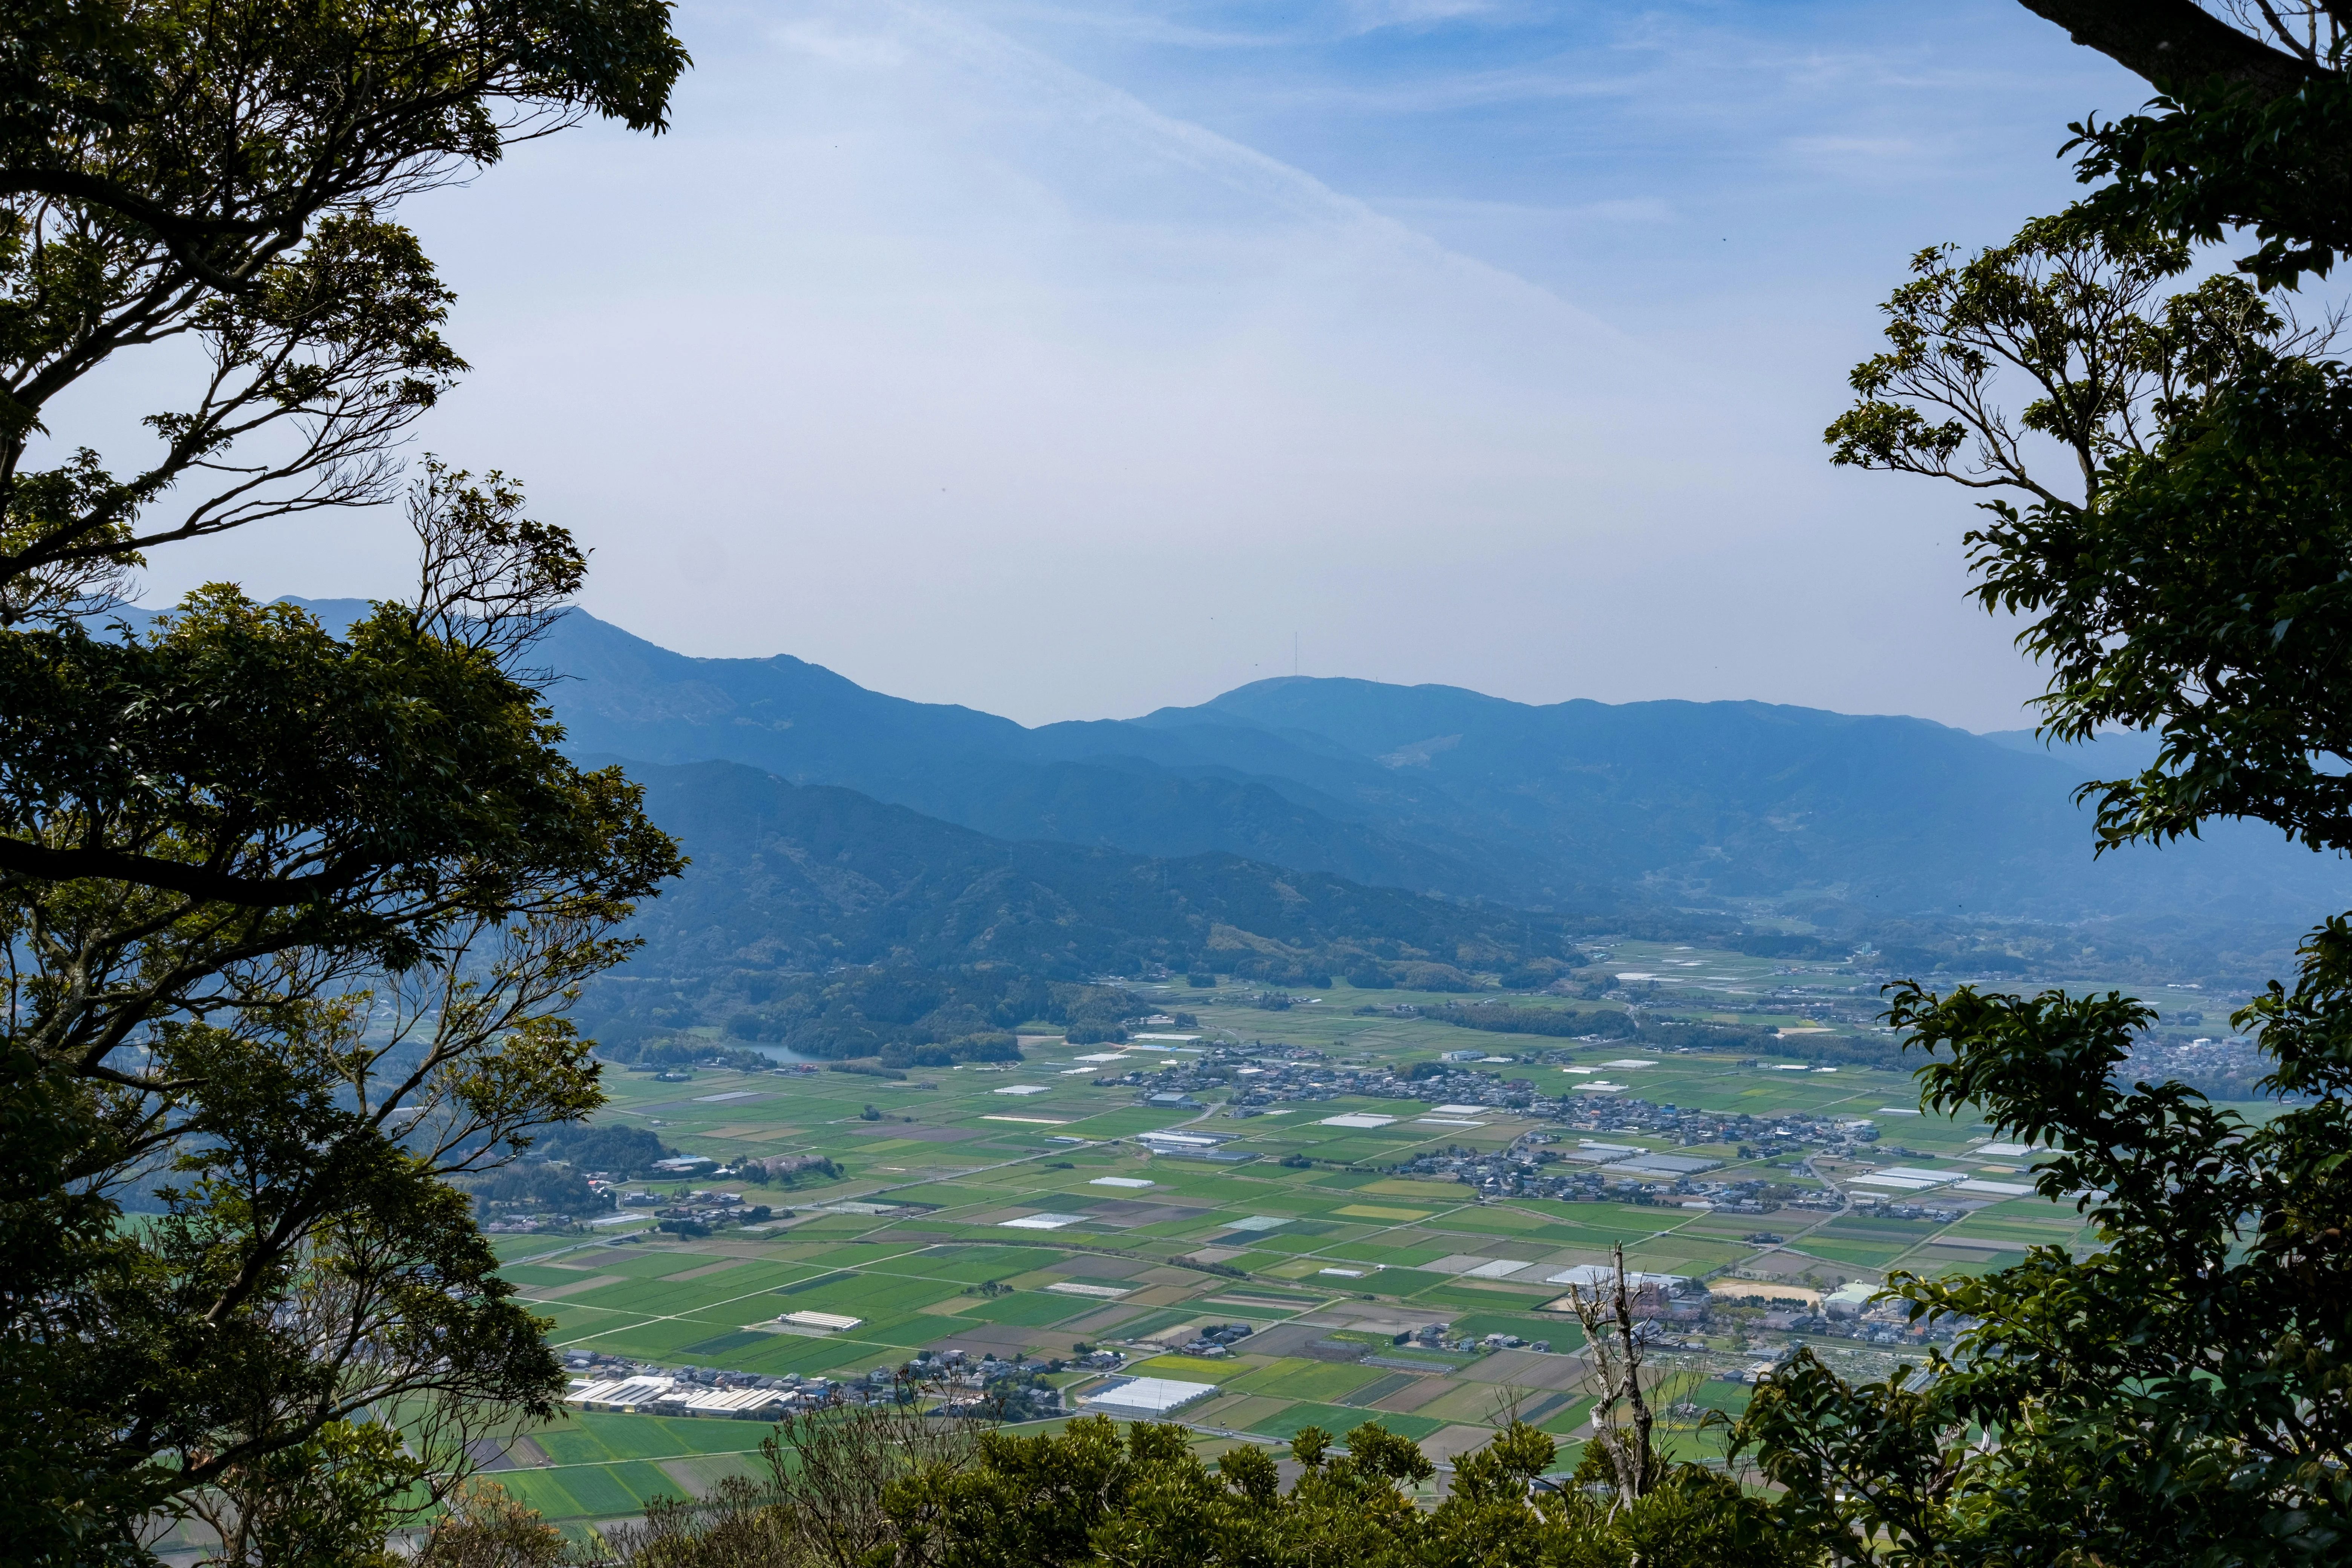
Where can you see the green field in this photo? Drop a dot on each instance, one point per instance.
(956, 1164)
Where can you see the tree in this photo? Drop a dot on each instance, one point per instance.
(2252, 130)
(1615, 1351)
(2182, 578)
(291, 919)
(482, 1527)
(2178, 1394)
(2272, 48)
(1092, 1496)
(878, 1486)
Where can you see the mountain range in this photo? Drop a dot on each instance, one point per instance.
(875, 877)
(1573, 808)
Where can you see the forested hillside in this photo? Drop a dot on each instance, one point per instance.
(790, 883)
(1857, 817)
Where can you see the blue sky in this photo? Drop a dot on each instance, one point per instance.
(1597, 149)
(1066, 361)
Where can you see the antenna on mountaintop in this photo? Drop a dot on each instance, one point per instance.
(1293, 655)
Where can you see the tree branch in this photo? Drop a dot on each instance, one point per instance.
(181, 235)
(24, 860)
(2174, 43)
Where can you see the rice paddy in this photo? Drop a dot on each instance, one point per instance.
(920, 1238)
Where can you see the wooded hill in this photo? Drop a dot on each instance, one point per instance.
(823, 919)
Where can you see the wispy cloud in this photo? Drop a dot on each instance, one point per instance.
(1372, 16)
(1142, 24)
(827, 43)
(1865, 157)
(989, 61)
(1629, 210)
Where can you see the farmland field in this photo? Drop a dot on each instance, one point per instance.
(966, 1216)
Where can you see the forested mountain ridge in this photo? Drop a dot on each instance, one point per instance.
(1886, 815)
(802, 880)
(1169, 793)
(1580, 807)
(826, 876)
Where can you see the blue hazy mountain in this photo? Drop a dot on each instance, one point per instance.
(798, 876)
(1165, 791)
(2113, 754)
(1570, 805)
(820, 917)
(1747, 800)
(1574, 807)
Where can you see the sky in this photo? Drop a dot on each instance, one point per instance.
(1067, 361)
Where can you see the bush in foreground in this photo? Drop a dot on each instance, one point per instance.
(888, 1488)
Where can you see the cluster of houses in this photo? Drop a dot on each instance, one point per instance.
(945, 1382)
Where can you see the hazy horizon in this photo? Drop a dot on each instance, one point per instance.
(1069, 366)
(2004, 732)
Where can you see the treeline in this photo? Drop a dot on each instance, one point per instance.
(905, 1016)
(1666, 1033)
(553, 1174)
(682, 1053)
(2222, 957)
(612, 1150)
(1925, 952)
(1554, 1023)
(540, 1184)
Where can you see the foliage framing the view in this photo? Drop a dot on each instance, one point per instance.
(2178, 1394)
(292, 919)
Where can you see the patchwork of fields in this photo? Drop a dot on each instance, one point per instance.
(953, 1182)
